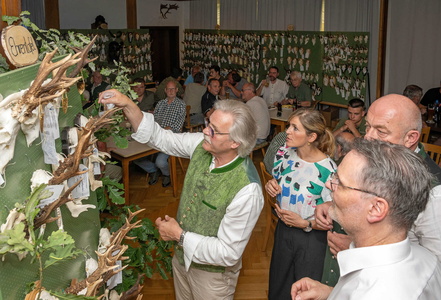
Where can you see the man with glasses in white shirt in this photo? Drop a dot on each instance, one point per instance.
(221, 199)
(377, 203)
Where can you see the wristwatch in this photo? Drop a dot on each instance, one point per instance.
(308, 228)
(181, 238)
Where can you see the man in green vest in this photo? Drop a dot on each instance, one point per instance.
(221, 199)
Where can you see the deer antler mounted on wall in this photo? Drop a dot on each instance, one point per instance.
(165, 9)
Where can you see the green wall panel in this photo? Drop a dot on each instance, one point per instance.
(14, 274)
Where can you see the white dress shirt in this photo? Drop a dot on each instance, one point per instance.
(242, 214)
(275, 92)
(398, 271)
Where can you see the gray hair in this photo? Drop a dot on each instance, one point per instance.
(398, 175)
(413, 91)
(345, 144)
(296, 74)
(244, 128)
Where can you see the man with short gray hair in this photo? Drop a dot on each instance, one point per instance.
(377, 203)
(259, 110)
(221, 199)
(396, 119)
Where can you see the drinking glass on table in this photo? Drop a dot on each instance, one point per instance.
(430, 113)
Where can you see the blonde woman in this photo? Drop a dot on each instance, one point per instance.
(301, 168)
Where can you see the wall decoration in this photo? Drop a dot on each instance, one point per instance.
(131, 47)
(334, 64)
(165, 9)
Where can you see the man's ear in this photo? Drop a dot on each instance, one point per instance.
(411, 138)
(378, 210)
(235, 145)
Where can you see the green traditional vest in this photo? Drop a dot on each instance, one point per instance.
(206, 196)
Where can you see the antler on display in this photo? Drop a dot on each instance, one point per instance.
(107, 260)
(70, 166)
(39, 94)
(84, 60)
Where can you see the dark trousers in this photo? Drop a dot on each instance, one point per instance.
(296, 254)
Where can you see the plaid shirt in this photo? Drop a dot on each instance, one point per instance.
(170, 115)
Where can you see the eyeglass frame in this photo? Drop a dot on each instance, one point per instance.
(334, 176)
(213, 133)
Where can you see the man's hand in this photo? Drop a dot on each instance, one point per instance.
(169, 228)
(351, 125)
(322, 217)
(338, 242)
(306, 288)
(131, 110)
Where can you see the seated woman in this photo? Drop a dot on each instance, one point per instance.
(301, 168)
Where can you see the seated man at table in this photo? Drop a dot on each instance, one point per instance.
(376, 203)
(259, 110)
(170, 114)
(272, 89)
(215, 74)
(146, 99)
(193, 95)
(355, 123)
(221, 199)
(175, 77)
(232, 85)
(190, 79)
(210, 97)
(298, 92)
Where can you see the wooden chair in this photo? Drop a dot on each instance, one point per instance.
(425, 133)
(262, 147)
(434, 151)
(187, 124)
(271, 219)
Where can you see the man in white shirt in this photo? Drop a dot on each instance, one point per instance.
(376, 203)
(396, 119)
(260, 111)
(221, 199)
(272, 89)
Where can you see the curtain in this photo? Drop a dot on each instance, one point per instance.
(203, 14)
(238, 14)
(414, 40)
(36, 8)
(357, 15)
(278, 14)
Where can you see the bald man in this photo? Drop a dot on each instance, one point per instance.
(396, 119)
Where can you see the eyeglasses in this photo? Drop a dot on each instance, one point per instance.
(334, 180)
(212, 132)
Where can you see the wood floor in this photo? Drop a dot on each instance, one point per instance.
(158, 201)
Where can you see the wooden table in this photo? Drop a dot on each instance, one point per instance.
(134, 151)
(281, 121)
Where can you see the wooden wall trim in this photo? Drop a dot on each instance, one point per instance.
(52, 12)
(382, 40)
(9, 8)
(131, 14)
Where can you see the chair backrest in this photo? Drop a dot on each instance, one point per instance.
(425, 132)
(187, 116)
(434, 151)
(266, 177)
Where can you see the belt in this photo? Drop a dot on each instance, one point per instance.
(192, 114)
